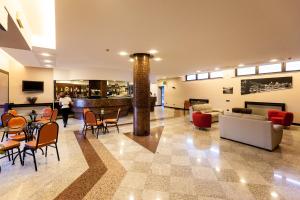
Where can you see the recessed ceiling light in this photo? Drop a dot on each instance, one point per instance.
(273, 60)
(274, 194)
(48, 66)
(153, 51)
(45, 54)
(241, 65)
(157, 59)
(123, 53)
(217, 68)
(198, 71)
(131, 60)
(47, 61)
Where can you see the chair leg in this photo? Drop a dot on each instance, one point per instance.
(34, 160)
(83, 130)
(98, 128)
(19, 154)
(24, 155)
(46, 151)
(2, 137)
(117, 128)
(57, 152)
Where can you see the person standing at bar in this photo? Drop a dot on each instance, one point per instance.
(65, 102)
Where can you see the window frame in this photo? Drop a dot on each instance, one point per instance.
(285, 65)
(216, 77)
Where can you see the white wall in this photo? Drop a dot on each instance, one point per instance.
(176, 91)
(18, 73)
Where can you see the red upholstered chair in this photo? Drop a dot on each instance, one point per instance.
(280, 117)
(202, 120)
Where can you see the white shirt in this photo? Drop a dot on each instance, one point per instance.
(64, 102)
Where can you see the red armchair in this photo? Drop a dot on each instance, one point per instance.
(202, 120)
(281, 117)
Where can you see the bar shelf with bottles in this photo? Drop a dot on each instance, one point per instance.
(107, 95)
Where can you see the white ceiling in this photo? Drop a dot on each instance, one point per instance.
(190, 35)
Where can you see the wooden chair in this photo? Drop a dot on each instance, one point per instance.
(113, 121)
(13, 112)
(90, 120)
(5, 117)
(9, 146)
(52, 117)
(46, 114)
(19, 123)
(85, 110)
(47, 136)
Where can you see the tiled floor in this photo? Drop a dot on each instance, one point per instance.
(188, 164)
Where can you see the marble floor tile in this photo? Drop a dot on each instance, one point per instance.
(157, 183)
(155, 195)
(161, 169)
(207, 188)
(134, 180)
(182, 185)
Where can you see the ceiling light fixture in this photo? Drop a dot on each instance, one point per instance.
(241, 65)
(45, 54)
(198, 71)
(153, 51)
(274, 194)
(217, 68)
(158, 59)
(131, 60)
(48, 66)
(273, 60)
(47, 61)
(123, 53)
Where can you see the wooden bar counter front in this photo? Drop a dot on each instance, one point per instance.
(109, 105)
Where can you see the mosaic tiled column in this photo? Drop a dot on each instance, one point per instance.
(141, 94)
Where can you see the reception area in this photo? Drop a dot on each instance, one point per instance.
(139, 100)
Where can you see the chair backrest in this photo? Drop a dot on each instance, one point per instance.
(13, 112)
(48, 133)
(5, 117)
(54, 115)
(47, 112)
(85, 110)
(17, 122)
(90, 118)
(118, 115)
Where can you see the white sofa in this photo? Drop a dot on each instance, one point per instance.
(250, 129)
(205, 108)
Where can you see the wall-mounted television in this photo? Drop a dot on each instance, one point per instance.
(33, 86)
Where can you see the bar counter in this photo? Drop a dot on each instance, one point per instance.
(110, 106)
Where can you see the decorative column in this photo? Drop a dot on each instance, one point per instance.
(141, 94)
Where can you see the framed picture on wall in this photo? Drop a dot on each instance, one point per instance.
(227, 90)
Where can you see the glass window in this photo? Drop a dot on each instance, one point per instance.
(191, 77)
(245, 71)
(264, 69)
(292, 66)
(217, 74)
(202, 76)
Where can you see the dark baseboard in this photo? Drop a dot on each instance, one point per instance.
(174, 107)
(250, 144)
(296, 124)
(12, 105)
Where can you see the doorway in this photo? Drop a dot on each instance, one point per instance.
(161, 95)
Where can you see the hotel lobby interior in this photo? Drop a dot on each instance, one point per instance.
(149, 100)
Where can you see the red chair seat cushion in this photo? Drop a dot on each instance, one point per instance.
(202, 120)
